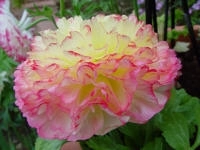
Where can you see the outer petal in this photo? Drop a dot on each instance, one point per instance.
(147, 101)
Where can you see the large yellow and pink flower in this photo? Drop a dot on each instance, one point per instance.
(91, 76)
(14, 38)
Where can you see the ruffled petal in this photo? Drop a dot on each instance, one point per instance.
(89, 77)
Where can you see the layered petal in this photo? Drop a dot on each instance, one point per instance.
(89, 77)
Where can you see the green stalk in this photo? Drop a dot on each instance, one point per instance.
(62, 8)
(36, 22)
(40, 20)
(54, 22)
(135, 6)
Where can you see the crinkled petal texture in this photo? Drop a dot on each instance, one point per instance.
(14, 39)
(91, 76)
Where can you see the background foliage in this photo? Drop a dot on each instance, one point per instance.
(14, 131)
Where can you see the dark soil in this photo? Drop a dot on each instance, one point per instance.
(190, 78)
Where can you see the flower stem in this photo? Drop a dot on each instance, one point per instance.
(135, 6)
(150, 11)
(62, 8)
(196, 48)
(36, 22)
(166, 19)
(54, 22)
(172, 20)
(155, 26)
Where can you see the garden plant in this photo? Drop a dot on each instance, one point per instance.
(109, 75)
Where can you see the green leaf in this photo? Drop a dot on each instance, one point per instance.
(132, 130)
(45, 11)
(183, 103)
(17, 3)
(44, 144)
(4, 144)
(177, 99)
(7, 64)
(176, 132)
(179, 121)
(138, 135)
(106, 142)
(197, 122)
(13, 125)
(156, 144)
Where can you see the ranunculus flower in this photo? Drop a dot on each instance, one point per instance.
(14, 39)
(91, 76)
